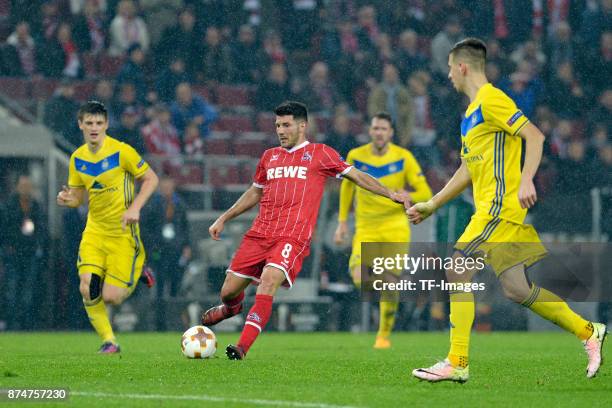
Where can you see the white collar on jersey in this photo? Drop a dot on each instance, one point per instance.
(298, 147)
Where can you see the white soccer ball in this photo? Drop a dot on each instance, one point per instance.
(199, 342)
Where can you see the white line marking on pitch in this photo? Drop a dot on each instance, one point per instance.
(211, 399)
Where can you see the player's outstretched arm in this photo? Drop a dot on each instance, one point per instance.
(368, 182)
(459, 182)
(534, 144)
(149, 182)
(347, 192)
(70, 197)
(248, 200)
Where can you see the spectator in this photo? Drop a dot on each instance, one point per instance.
(298, 20)
(522, 91)
(60, 113)
(529, 51)
(341, 138)
(170, 77)
(320, 93)
(409, 58)
(127, 29)
(159, 135)
(602, 113)
(215, 59)
(24, 245)
(126, 98)
(385, 49)
(561, 138)
(25, 47)
(159, 15)
(189, 108)
(133, 72)
(104, 93)
(272, 50)
(275, 89)
(178, 42)
(128, 131)
(367, 28)
(566, 95)
(496, 55)
(49, 22)
(72, 62)
(194, 145)
(441, 46)
(561, 47)
(423, 130)
(597, 65)
(90, 27)
(245, 57)
(390, 96)
(165, 232)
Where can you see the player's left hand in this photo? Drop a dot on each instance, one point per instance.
(130, 216)
(527, 193)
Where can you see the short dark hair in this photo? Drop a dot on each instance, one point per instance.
(384, 116)
(297, 109)
(473, 50)
(93, 108)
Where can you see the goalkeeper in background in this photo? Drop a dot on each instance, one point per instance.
(376, 219)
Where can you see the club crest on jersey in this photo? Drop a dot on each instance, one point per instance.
(104, 164)
(274, 157)
(83, 167)
(306, 156)
(254, 317)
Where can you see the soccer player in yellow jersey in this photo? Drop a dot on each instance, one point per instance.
(111, 255)
(376, 219)
(491, 133)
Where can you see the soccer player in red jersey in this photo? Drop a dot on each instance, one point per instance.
(288, 186)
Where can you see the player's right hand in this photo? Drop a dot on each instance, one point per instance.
(65, 197)
(341, 233)
(216, 229)
(420, 211)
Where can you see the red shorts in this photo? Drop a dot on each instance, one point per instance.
(254, 253)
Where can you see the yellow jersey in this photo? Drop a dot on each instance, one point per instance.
(394, 169)
(491, 147)
(108, 176)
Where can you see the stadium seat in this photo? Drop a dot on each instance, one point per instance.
(90, 64)
(43, 88)
(247, 172)
(221, 175)
(249, 147)
(234, 123)
(265, 123)
(356, 125)
(109, 66)
(233, 96)
(16, 88)
(84, 90)
(203, 91)
(217, 146)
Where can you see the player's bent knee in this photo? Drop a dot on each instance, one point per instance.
(514, 294)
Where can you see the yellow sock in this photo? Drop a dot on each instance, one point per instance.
(461, 320)
(98, 317)
(388, 309)
(553, 308)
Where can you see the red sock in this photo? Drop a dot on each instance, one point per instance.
(234, 304)
(256, 320)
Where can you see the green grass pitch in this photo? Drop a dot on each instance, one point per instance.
(311, 370)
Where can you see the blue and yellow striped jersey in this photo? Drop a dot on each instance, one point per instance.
(108, 176)
(395, 169)
(491, 147)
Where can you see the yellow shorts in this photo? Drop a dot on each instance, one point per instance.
(398, 233)
(117, 260)
(503, 244)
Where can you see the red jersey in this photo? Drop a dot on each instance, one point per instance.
(293, 181)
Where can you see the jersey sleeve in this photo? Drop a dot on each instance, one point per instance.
(332, 164)
(259, 180)
(416, 179)
(347, 192)
(74, 180)
(503, 112)
(132, 162)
